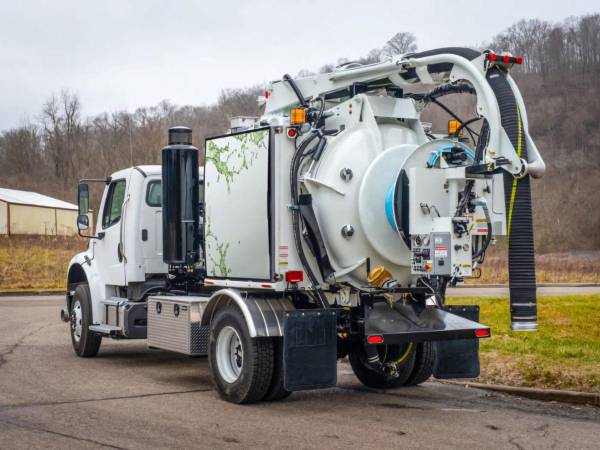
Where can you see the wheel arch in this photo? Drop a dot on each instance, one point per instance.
(264, 315)
(76, 275)
(81, 270)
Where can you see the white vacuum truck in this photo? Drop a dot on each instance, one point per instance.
(328, 227)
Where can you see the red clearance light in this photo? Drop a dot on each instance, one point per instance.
(267, 95)
(492, 57)
(376, 339)
(294, 276)
(291, 132)
(482, 332)
(519, 60)
(505, 58)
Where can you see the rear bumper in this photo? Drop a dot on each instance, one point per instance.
(407, 323)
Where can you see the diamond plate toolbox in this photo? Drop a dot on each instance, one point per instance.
(174, 324)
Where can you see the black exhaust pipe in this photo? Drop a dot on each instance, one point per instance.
(180, 199)
(517, 195)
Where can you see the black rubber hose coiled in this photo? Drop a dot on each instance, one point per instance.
(517, 195)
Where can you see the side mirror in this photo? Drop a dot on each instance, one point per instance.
(83, 201)
(83, 222)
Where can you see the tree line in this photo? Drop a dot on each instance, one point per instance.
(554, 48)
(558, 79)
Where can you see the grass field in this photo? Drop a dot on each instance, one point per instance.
(36, 263)
(571, 267)
(563, 354)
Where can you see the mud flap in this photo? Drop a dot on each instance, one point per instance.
(458, 358)
(309, 349)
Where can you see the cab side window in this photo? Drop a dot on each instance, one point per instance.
(114, 203)
(154, 194)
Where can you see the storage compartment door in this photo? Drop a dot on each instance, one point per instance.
(237, 232)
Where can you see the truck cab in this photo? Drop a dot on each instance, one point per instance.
(124, 255)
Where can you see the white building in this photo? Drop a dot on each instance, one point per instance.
(23, 212)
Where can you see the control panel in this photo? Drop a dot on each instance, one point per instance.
(441, 253)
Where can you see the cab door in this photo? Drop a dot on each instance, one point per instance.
(151, 228)
(108, 251)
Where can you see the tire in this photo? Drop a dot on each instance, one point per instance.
(379, 380)
(277, 391)
(86, 343)
(424, 360)
(241, 366)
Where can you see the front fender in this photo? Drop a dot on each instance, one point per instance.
(82, 269)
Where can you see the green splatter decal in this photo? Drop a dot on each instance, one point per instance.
(212, 243)
(232, 158)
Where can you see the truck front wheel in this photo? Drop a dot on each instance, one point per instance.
(241, 366)
(86, 343)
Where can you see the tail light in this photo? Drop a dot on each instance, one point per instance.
(507, 59)
(294, 276)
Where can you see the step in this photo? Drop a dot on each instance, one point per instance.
(103, 328)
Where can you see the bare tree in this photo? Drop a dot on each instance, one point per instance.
(400, 43)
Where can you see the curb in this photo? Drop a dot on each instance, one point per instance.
(546, 395)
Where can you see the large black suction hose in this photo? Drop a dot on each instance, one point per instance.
(519, 220)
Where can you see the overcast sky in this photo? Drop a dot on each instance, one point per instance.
(119, 54)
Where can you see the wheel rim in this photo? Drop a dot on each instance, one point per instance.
(76, 321)
(230, 354)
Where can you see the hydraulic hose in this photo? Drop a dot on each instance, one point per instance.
(296, 90)
(481, 201)
(294, 168)
(517, 195)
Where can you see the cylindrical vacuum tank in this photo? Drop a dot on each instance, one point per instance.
(180, 202)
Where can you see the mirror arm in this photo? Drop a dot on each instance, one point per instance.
(99, 236)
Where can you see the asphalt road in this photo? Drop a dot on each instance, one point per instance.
(132, 397)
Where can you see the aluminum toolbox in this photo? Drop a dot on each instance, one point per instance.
(174, 324)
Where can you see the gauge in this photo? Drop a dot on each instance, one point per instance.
(425, 241)
(418, 240)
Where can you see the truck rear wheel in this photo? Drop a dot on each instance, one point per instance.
(86, 343)
(277, 390)
(241, 366)
(399, 359)
(424, 359)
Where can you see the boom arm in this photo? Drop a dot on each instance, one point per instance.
(455, 64)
